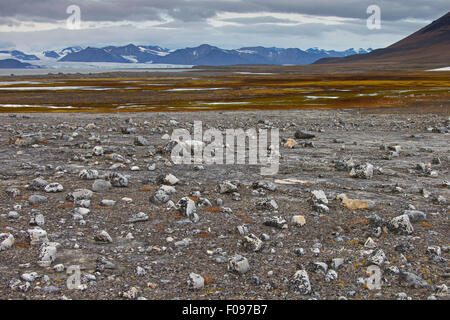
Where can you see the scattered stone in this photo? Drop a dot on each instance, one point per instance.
(141, 141)
(98, 150)
(29, 277)
(117, 179)
(138, 217)
(53, 187)
(196, 281)
(37, 220)
(79, 194)
(319, 197)
(227, 187)
(13, 215)
(171, 179)
(267, 185)
(183, 243)
(357, 204)
(370, 243)
(331, 276)
(103, 236)
(238, 264)
(37, 236)
(88, 174)
(107, 203)
(38, 184)
(266, 204)
(160, 197)
(401, 224)
(13, 192)
(252, 243)
(298, 220)
(362, 171)
(415, 215)
(131, 294)
(411, 280)
(301, 134)
(187, 208)
(378, 258)
(6, 241)
(277, 222)
(140, 272)
(289, 143)
(336, 263)
(37, 199)
(300, 283)
(47, 254)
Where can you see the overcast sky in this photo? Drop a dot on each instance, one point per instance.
(35, 25)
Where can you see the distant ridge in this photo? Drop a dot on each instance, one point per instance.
(15, 64)
(430, 45)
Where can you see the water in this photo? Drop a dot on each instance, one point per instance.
(34, 72)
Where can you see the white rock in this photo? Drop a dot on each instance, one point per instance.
(319, 197)
(53, 187)
(98, 150)
(103, 236)
(29, 277)
(38, 236)
(298, 220)
(140, 271)
(59, 267)
(171, 179)
(370, 243)
(6, 241)
(401, 224)
(300, 282)
(238, 264)
(127, 200)
(196, 281)
(82, 211)
(168, 189)
(47, 255)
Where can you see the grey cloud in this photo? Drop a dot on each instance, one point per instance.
(259, 20)
(199, 10)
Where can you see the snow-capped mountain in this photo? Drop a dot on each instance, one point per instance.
(202, 55)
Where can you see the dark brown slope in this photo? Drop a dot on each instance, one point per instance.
(429, 46)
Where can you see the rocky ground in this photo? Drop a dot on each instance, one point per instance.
(355, 192)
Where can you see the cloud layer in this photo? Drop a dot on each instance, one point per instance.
(227, 23)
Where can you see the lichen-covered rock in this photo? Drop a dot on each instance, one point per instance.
(300, 283)
(118, 179)
(79, 194)
(238, 264)
(362, 171)
(401, 224)
(37, 236)
(187, 208)
(252, 243)
(88, 174)
(53, 187)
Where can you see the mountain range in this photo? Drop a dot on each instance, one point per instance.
(202, 55)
